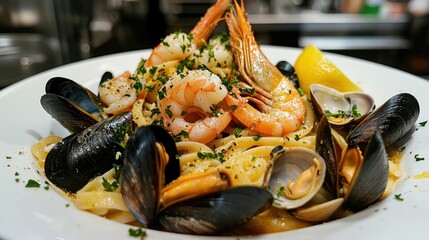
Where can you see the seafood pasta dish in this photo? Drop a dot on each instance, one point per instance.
(207, 136)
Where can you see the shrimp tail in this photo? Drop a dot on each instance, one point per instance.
(209, 21)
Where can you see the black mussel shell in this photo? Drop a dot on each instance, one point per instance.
(394, 119)
(216, 212)
(77, 94)
(288, 71)
(78, 158)
(105, 77)
(142, 173)
(330, 152)
(371, 179)
(69, 115)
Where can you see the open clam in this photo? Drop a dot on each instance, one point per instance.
(295, 176)
(340, 108)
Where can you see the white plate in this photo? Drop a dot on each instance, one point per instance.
(39, 214)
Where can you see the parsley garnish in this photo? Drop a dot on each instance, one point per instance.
(418, 158)
(8, 157)
(120, 133)
(233, 107)
(422, 124)
(182, 134)
(301, 93)
(237, 131)
(110, 187)
(32, 184)
(339, 114)
(168, 111)
(280, 192)
(355, 112)
(139, 232)
(297, 137)
(257, 137)
(206, 155)
(247, 90)
(402, 149)
(398, 197)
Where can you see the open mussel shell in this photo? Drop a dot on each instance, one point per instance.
(295, 176)
(288, 71)
(146, 169)
(105, 77)
(78, 158)
(340, 108)
(370, 173)
(68, 114)
(393, 119)
(216, 212)
(77, 94)
(72, 105)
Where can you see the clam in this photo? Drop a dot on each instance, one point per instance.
(201, 203)
(340, 108)
(78, 158)
(295, 176)
(72, 105)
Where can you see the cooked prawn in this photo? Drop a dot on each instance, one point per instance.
(189, 103)
(118, 93)
(179, 46)
(282, 110)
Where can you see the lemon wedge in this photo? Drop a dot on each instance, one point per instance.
(312, 66)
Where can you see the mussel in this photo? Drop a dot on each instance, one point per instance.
(72, 105)
(288, 71)
(203, 203)
(394, 119)
(340, 108)
(78, 158)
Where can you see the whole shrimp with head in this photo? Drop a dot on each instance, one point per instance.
(281, 109)
(189, 104)
(178, 46)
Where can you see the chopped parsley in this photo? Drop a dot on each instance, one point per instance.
(233, 107)
(247, 90)
(257, 137)
(32, 184)
(237, 131)
(418, 158)
(8, 157)
(137, 84)
(355, 112)
(339, 114)
(402, 149)
(139, 232)
(67, 204)
(280, 192)
(182, 135)
(207, 155)
(399, 197)
(301, 93)
(168, 111)
(120, 133)
(297, 137)
(110, 187)
(186, 63)
(422, 124)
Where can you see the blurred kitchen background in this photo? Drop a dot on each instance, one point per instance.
(36, 35)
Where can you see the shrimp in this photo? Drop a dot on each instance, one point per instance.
(118, 93)
(179, 46)
(217, 55)
(282, 108)
(189, 103)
